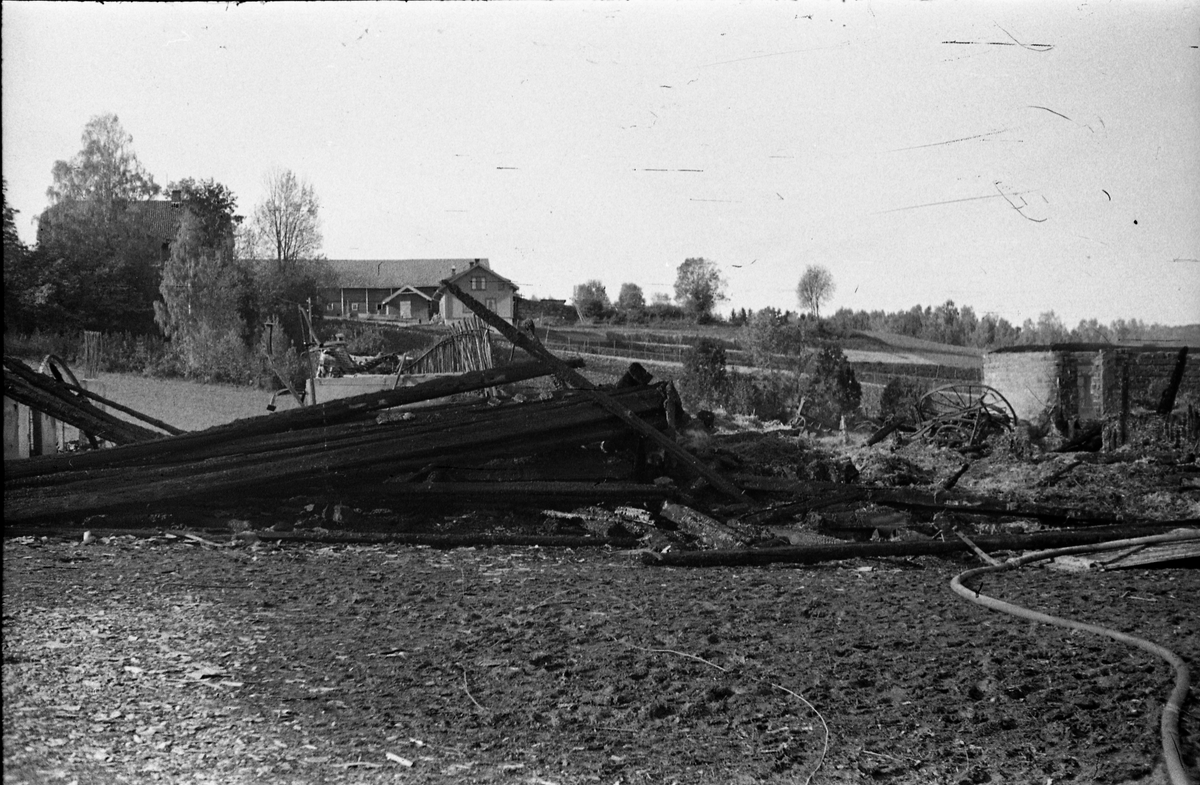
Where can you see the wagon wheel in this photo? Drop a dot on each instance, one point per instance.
(964, 414)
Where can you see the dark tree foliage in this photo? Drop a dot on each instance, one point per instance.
(833, 388)
(591, 300)
(699, 286)
(100, 241)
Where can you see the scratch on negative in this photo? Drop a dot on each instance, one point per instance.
(935, 204)
(1014, 206)
(1030, 47)
(948, 141)
(1051, 111)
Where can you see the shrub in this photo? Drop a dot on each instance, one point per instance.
(36, 345)
(704, 373)
(832, 390)
(899, 400)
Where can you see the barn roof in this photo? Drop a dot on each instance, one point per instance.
(396, 273)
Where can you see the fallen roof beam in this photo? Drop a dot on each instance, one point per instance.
(341, 410)
(570, 377)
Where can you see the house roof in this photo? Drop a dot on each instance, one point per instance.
(396, 273)
(462, 274)
(158, 219)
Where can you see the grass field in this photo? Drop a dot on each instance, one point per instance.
(191, 406)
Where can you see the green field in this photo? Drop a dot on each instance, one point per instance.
(191, 406)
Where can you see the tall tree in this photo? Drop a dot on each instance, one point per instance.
(18, 274)
(106, 171)
(286, 222)
(591, 300)
(206, 290)
(215, 208)
(100, 241)
(285, 236)
(631, 298)
(699, 286)
(815, 287)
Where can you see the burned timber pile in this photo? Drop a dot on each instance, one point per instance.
(549, 451)
(350, 449)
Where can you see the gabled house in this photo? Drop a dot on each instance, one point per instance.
(410, 290)
(488, 287)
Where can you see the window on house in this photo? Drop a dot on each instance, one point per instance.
(478, 283)
(491, 304)
(353, 306)
(331, 307)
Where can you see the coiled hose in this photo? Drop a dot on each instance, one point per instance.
(1170, 715)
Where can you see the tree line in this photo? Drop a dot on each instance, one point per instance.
(699, 287)
(113, 256)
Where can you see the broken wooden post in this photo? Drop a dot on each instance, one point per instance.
(45, 394)
(570, 377)
(953, 479)
(1167, 403)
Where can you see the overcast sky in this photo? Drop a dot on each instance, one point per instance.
(1015, 157)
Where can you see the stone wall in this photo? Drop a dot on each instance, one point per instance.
(1147, 373)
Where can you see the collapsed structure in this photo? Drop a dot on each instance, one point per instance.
(556, 448)
(1099, 387)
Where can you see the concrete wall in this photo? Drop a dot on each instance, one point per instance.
(1029, 380)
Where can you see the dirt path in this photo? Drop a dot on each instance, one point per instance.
(156, 661)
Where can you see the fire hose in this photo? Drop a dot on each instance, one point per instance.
(1169, 724)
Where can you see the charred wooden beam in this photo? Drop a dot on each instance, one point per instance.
(814, 493)
(342, 410)
(1167, 402)
(570, 377)
(367, 457)
(524, 492)
(49, 396)
(815, 554)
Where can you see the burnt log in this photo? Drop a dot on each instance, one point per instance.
(573, 379)
(815, 554)
(347, 459)
(342, 410)
(709, 531)
(816, 494)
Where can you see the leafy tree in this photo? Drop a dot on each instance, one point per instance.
(106, 171)
(19, 275)
(591, 300)
(815, 287)
(631, 298)
(699, 286)
(215, 208)
(207, 292)
(98, 245)
(286, 224)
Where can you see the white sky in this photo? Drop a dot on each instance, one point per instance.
(844, 134)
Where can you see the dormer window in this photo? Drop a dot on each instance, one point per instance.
(478, 283)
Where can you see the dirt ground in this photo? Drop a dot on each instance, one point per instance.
(135, 659)
(158, 657)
